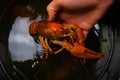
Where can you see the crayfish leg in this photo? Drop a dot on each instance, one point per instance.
(44, 45)
(58, 50)
(80, 37)
(64, 44)
(76, 30)
(47, 45)
(58, 43)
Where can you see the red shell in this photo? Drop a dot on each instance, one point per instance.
(48, 29)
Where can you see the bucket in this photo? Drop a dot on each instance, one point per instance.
(61, 66)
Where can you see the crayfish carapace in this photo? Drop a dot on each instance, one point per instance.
(68, 36)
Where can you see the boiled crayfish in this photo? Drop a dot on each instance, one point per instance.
(68, 36)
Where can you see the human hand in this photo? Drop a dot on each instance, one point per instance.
(84, 13)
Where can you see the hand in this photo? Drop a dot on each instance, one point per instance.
(84, 13)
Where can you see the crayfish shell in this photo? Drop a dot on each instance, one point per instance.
(47, 29)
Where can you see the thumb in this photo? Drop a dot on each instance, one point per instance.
(53, 8)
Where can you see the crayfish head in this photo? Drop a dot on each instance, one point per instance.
(33, 28)
(49, 29)
(57, 30)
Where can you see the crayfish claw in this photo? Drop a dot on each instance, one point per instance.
(93, 54)
(82, 52)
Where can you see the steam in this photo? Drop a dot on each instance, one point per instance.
(21, 45)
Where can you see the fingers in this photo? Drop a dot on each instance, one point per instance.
(53, 9)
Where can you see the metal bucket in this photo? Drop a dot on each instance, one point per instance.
(106, 42)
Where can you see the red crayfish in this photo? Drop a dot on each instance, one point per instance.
(68, 36)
